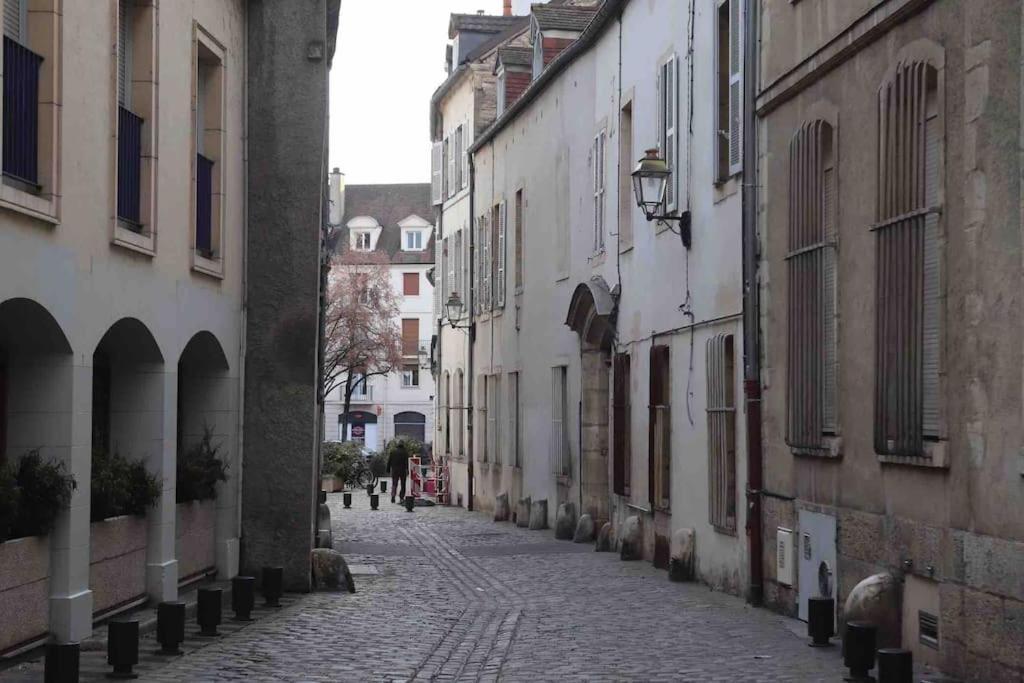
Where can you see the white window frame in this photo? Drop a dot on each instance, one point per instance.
(361, 240)
(412, 240)
(436, 173)
(598, 181)
(499, 257)
(668, 126)
(734, 109)
(465, 154)
(410, 376)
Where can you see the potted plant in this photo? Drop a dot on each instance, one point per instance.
(120, 486)
(199, 469)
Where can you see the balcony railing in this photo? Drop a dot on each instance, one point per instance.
(204, 206)
(129, 167)
(21, 112)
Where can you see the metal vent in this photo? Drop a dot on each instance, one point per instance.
(928, 629)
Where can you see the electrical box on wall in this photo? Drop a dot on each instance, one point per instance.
(817, 563)
(784, 556)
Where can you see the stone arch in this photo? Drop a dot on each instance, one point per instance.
(592, 313)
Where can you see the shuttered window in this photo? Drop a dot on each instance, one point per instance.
(515, 456)
(494, 419)
(729, 90)
(660, 426)
(561, 459)
(721, 413)
(411, 284)
(15, 19)
(436, 179)
(621, 425)
(498, 222)
(457, 285)
(410, 336)
(909, 261)
(811, 270)
(483, 264)
(519, 230)
(597, 155)
(735, 88)
(457, 143)
(459, 407)
(483, 440)
(668, 119)
(465, 155)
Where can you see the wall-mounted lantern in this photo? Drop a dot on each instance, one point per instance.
(649, 182)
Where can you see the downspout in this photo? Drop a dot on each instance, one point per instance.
(751, 312)
(472, 336)
(240, 441)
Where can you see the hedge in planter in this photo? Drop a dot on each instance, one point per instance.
(120, 486)
(339, 459)
(32, 493)
(199, 470)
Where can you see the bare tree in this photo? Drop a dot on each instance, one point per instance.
(361, 334)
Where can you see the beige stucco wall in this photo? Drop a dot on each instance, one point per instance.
(957, 529)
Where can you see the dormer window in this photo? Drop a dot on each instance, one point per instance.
(361, 240)
(413, 240)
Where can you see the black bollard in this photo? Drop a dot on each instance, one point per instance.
(859, 649)
(383, 486)
(62, 663)
(821, 618)
(273, 585)
(347, 499)
(374, 501)
(895, 666)
(170, 627)
(208, 611)
(243, 597)
(410, 503)
(123, 647)
(323, 497)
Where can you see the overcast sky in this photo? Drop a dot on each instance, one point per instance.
(389, 60)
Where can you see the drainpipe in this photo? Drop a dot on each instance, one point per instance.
(751, 312)
(471, 293)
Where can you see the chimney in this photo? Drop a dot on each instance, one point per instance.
(337, 195)
(508, 8)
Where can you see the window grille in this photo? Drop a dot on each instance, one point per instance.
(660, 425)
(721, 414)
(621, 425)
(561, 458)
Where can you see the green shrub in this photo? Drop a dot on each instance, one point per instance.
(413, 447)
(9, 495)
(339, 459)
(120, 486)
(378, 464)
(199, 470)
(45, 489)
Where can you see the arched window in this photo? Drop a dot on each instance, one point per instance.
(411, 424)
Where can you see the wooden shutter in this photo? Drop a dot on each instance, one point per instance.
(499, 260)
(519, 239)
(721, 418)
(14, 20)
(485, 264)
(411, 284)
(669, 117)
(436, 182)
(735, 89)
(465, 154)
(410, 336)
(621, 424)
(659, 443)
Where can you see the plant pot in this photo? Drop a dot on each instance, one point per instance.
(347, 499)
(374, 501)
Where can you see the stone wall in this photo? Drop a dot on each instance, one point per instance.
(24, 589)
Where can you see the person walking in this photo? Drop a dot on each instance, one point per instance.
(398, 466)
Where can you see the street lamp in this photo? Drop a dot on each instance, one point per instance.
(453, 310)
(650, 179)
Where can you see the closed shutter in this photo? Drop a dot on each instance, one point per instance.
(932, 304)
(735, 89)
(410, 336)
(449, 264)
(457, 161)
(124, 54)
(436, 183)
(457, 267)
(494, 415)
(483, 441)
(411, 284)
(15, 19)
(659, 452)
(465, 155)
(499, 278)
(621, 424)
(485, 264)
(670, 124)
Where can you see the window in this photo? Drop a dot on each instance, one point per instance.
(909, 293)
(561, 458)
(501, 92)
(410, 284)
(448, 269)
(622, 440)
(811, 266)
(520, 233)
(538, 54)
(410, 336)
(721, 410)
(515, 456)
(660, 443)
(483, 268)
(446, 185)
(626, 204)
(459, 407)
(436, 173)
(729, 90)
(458, 143)
(597, 157)
(210, 140)
(129, 125)
(413, 240)
(494, 441)
(410, 376)
(457, 285)
(361, 241)
(360, 385)
(447, 413)
(465, 155)
(497, 255)
(483, 441)
(668, 115)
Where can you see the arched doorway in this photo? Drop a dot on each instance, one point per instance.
(206, 531)
(362, 428)
(411, 424)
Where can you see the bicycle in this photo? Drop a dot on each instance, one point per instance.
(361, 475)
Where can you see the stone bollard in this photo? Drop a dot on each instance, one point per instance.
(208, 611)
(502, 512)
(632, 541)
(243, 597)
(584, 532)
(170, 627)
(605, 542)
(538, 515)
(895, 665)
(273, 585)
(331, 572)
(565, 521)
(859, 649)
(523, 512)
(681, 555)
(123, 647)
(62, 663)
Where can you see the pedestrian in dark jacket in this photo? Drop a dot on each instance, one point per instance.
(398, 466)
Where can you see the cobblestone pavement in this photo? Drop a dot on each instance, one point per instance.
(447, 595)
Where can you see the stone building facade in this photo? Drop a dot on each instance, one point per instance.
(890, 222)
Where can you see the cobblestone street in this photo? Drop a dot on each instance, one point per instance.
(447, 595)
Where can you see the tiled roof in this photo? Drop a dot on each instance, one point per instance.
(522, 56)
(388, 204)
(481, 23)
(565, 18)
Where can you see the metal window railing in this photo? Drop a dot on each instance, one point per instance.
(129, 167)
(21, 112)
(204, 206)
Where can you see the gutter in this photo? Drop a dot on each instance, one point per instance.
(470, 294)
(751, 311)
(611, 9)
